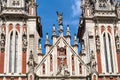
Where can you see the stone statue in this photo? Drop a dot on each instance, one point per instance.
(66, 73)
(60, 18)
(27, 4)
(24, 41)
(117, 43)
(2, 43)
(92, 60)
(97, 42)
(31, 63)
(4, 3)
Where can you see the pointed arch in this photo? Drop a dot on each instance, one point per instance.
(109, 29)
(16, 52)
(105, 52)
(10, 52)
(110, 49)
(10, 27)
(102, 29)
(18, 27)
(13, 51)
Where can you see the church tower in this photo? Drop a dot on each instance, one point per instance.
(99, 35)
(20, 31)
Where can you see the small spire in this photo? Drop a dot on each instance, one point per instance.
(68, 31)
(40, 47)
(75, 40)
(24, 31)
(47, 39)
(54, 30)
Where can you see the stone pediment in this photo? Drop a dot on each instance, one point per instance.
(61, 42)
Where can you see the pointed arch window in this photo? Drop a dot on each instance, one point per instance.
(16, 52)
(105, 52)
(110, 49)
(10, 52)
(108, 52)
(13, 52)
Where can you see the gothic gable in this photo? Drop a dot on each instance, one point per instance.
(62, 55)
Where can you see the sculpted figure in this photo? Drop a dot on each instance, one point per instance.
(60, 18)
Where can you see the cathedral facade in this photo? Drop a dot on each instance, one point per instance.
(20, 30)
(99, 35)
(21, 56)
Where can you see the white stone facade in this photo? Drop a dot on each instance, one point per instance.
(100, 37)
(20, 31)
(21, 55)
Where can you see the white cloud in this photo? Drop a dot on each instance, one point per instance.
(72, 22)
(76, 8)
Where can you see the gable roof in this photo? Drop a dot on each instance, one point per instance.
(51, 49)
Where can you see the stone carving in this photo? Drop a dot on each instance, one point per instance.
(24, 40)
(4, 4)
(27, 5)
(62, 69)
(92, 60)
(60, 18)
(117, 43)
(98, 43)
(2, 42)
(31, 63)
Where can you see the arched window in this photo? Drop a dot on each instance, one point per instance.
(10, 52)
(108, 51)
(13, 52)
(105, 52)
(16, 52)
(111, 57)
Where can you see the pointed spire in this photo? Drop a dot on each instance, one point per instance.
(54, 30)
(75, 40)
(40, 46)
(68, 31)
(47, 39)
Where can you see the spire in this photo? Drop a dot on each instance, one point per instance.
(68, 31)
(75, 40)
(54, 30)
(40, 47)
(60, 22)
(47, 39)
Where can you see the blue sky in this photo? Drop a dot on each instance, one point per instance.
(47, 11)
